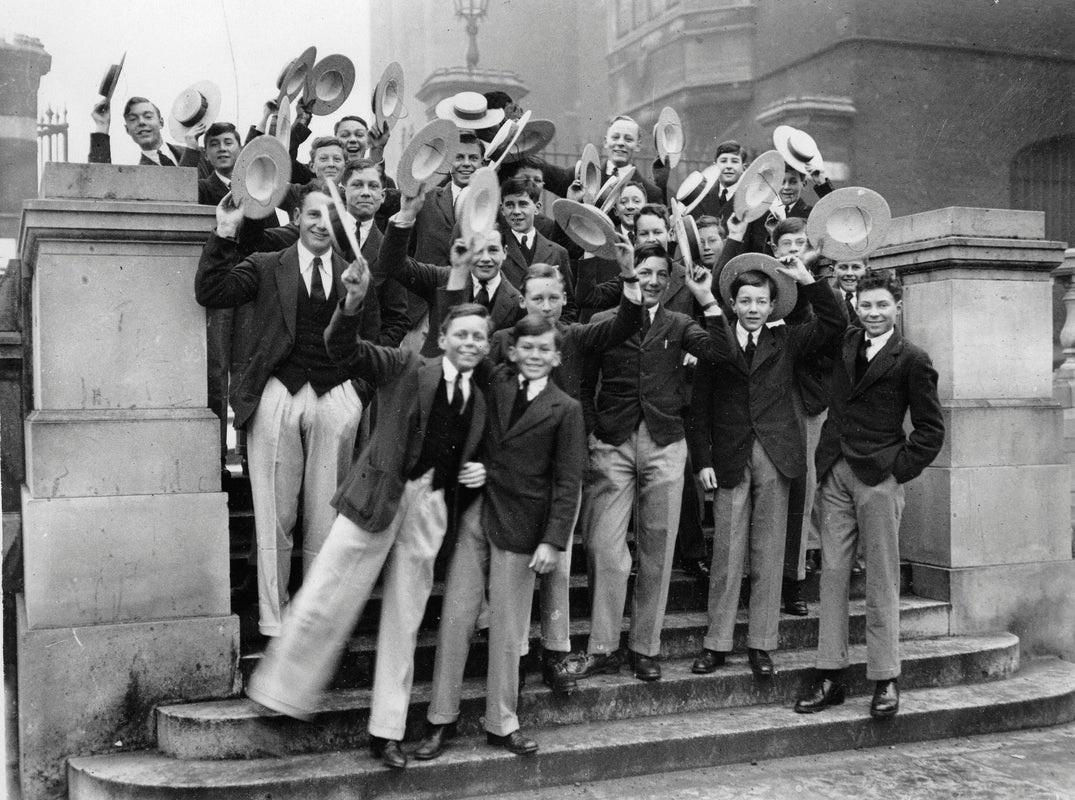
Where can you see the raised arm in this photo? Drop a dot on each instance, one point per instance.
(596, 337)
(421, 279)
(224, 277)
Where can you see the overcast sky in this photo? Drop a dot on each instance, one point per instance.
(171, 44)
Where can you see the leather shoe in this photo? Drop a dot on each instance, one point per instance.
(791, 600)
(559, 671)
(823, 691)
(697, 568)
(813, 561)
(389, 751)
(599, 664)
(796, 608)
(707, 661)
(646, 667)
(886, 699)
(514, 742)
(760, 664)
(434, 741)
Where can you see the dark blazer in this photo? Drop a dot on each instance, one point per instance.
(558, 179)
(270, 281)
(545, 252)
(577, 341)
(677, 297)
(432, 242)
(865, 422)
(101, 152)
(406, 384)
(646, 378)
(429, 282)
(534, 468)
(733, 404)
(756, 239)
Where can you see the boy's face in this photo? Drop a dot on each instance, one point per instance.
(712, 245)
(465, 342)
(752, 306)
(878, 311)
(731, 168)
(848, 274)
(653, 277)
(544, 297)
(631, 199)
(621, 142)
(532, 175)
(327, 162)
(143, 123)
(488, 258)
(364, 193)
(649, 228)
(519, 211)
(313, 223)
(535, 356)
(791, 188)
(467, 159)
(791, 244)
(354, 136)
(221, 151)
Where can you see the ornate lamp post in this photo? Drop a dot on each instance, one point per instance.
(471, 11)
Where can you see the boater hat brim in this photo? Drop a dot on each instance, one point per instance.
(849, 224)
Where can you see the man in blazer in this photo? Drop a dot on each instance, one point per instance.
(748, 444)
(429, 282)
(393, 515)
(300, 409)
(534, 452)
(636, 418)
(789, 204)
(863, 460)
(144, 122)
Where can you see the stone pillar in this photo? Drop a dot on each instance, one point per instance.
(23, 61)
(125, 528)
(1064, 377)
(988, 525)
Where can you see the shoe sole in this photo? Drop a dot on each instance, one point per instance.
(815, 709)
(884, 714)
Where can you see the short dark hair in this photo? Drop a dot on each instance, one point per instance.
(498, 99)
(518, 185)
(650, 250)
(219, 129)
(786, 226)
(324, 141)
(730, 146)
(307, 189)
(349, 118)
(469, 137)
(753, 277)
(534, 326)
(132, 102)
(512, 168)
(357, 165)
(881, 279)
(541, 271)
(658, 210)
(465, 310)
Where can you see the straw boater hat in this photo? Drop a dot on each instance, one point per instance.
(111, 79)
(668, 136)
(690, 246)
(588, 173)
(196, 104)
(342, 225)
(610, 191)
(431, 148)
(293, 76)
(798, 149)
(261, 176)
(388, 97)
(533, 139)
(586, 226)
(478, 209)
(469, 110)
(849, 223)
(329, 84)
(505, 138)
(759, 186)
(283, 122)
(787, 289)
(696, 186)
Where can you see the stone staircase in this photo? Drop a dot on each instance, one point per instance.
(614, 726)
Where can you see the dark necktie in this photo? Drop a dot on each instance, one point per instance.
(849, 300)
(165, 161)
(317, 289)
(456, 403)
(750, 349)
(483, 294)
(528, 249)
(615, 172)
(724, 195)
(518, 407)
(647, 320)
(861, 364)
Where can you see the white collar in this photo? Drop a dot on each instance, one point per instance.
(450, 373)
(491, 286)
(535, 387)
(306, 257)
(154, 155)
(364, 229)
(653, 312)
(877, 343)
(224, 179)
(741, 334)
(523, 238)
(729, 190)
(610, 167)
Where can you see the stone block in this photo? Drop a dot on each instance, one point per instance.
(101, 560)
(962, 221)
(977, 516)
(981, 339)
(122, 452)
(85, 690)
(115, 325)
(987, 433)
(119, 182)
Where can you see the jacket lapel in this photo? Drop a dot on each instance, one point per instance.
(659, 325)
(881, 363)
(287, 285)
(507, 388)
(538, 410)
(542, 249)
(444, 202)
(504, 301)
(676, 282)
(765, 350)
(372, 245)
(515, 263)
(429, 375)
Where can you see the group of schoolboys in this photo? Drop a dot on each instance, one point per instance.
(504, 418)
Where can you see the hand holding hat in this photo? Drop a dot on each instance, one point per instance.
(356, 280)
(229, 216)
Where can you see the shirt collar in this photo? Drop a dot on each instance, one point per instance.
(224, 179)
(153, 155)
(306, 258)
(450, 372)
(535, 387)
(364, 229)
(878, 342)
(490, 286)
(523, 237)
(742, 333)
(728, 190)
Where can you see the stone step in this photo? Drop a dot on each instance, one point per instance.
(681, 636)
(240, 728)
(1042, 693)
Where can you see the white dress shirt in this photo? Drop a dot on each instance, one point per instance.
(450, 372)
(491, 286)
(875, 344)
(534, 388)
(742, 334)
(525, 240)
(306, 267)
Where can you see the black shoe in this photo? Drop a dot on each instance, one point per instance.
(599, 664)
(560, 671)
(707, 661)
(813, 561)
(514, 742)
(389, 751)
(697, 568)
(886, 699)
(760, 664)
(822, 692)
(434, 741)
(646, 667)
(791, 601)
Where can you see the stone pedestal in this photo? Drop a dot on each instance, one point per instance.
(988, 525)
(125, 528)
(1064, 377)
